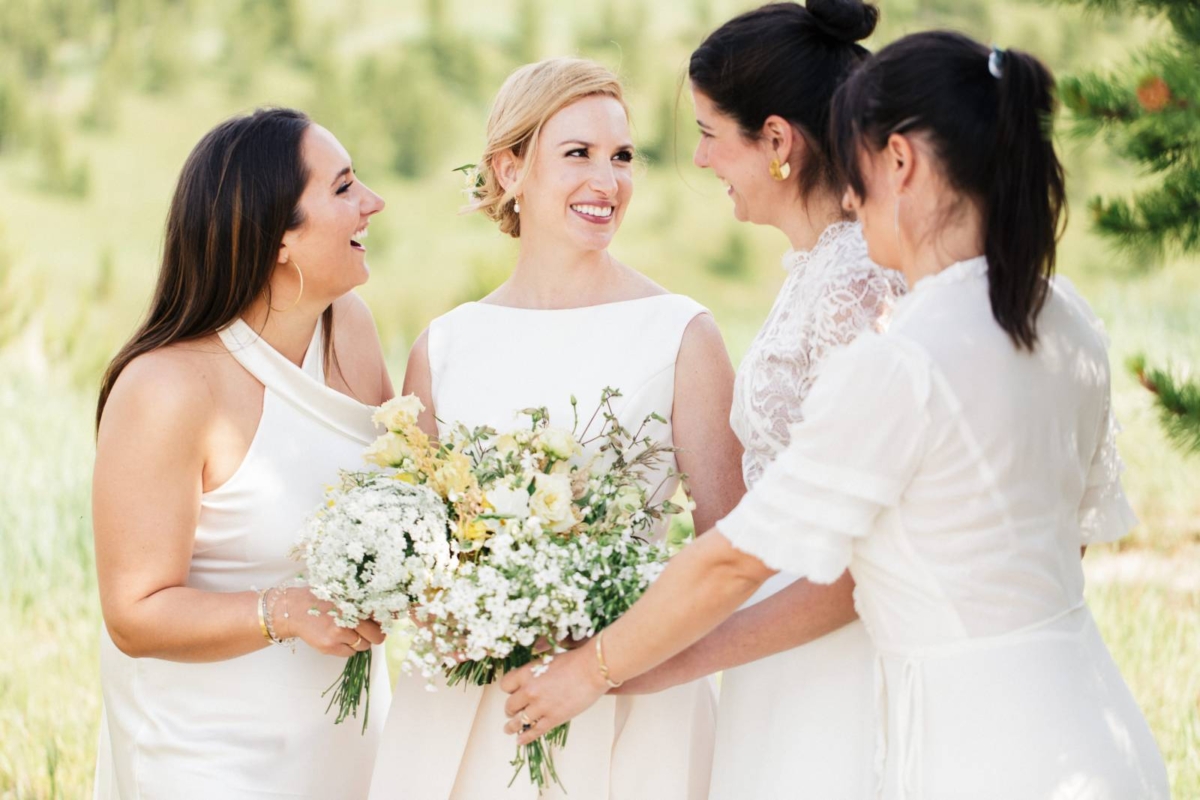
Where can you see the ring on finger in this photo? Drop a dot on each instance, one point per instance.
(526, 722)
(357, 642)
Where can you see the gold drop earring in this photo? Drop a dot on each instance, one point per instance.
(779, 171)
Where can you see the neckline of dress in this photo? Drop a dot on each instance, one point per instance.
(957, 272)
(796, 259)
(576, 308)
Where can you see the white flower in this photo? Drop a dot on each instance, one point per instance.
(508, 502)
(398, 412)
(551, 502)
(558, 443)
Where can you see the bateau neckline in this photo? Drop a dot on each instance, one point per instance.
(574, 308)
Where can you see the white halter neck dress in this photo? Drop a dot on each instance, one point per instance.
(252, 727)
(487, 363)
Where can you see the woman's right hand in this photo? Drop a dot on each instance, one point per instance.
(319, 630)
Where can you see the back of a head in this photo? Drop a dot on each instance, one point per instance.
(528, 98)
(788, 60)
(238, 193)
(988, 117)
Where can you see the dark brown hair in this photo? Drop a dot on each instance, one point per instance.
(785, 59)
(237, 195)
(988, 116)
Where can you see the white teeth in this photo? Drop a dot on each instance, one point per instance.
(594, 211)
(359, 235)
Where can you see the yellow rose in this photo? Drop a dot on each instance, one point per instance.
(389, 450)
(452, 477)
(506, 444)
(551, 502)
(472, 530)
(398, 412)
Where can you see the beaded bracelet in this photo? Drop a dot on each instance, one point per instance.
(269, 615)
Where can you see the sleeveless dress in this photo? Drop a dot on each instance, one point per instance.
(487, 362)
(810, 707)
(252, 727)
(957, 477)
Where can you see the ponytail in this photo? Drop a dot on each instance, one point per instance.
(988, 115)
(1027, 196)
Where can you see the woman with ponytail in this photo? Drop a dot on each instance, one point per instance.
(797, 682)
(247, 387)
(956, 464)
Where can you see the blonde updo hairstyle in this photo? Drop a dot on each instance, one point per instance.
(529, 97)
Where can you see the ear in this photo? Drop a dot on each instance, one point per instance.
(506, 166)
(900, 162)
(284, 255)
(779, 136)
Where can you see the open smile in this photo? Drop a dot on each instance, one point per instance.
(357, 239)
(596, 214)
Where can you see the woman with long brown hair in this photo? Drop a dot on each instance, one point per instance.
(247, 387)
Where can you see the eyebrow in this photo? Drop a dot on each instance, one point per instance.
(345, 171)
(626, 146)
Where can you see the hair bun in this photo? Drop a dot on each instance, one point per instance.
(845, 20)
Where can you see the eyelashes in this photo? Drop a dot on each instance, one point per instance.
(625, 156)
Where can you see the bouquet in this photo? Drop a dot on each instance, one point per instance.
(533, 545)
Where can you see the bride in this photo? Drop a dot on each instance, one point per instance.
(571, 320)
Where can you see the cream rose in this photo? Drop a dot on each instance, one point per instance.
(389, 450)
(508, 502)
(558, 443)
(398, 412)
(551, 502)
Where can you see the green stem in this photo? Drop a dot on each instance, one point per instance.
(350, 688)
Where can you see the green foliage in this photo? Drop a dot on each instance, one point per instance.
(1149, 113)
(1178, 403)
(59, 174)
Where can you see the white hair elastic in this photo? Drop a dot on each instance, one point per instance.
(996, 62)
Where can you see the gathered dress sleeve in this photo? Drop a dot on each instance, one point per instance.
(1104, 513)
(865, 430)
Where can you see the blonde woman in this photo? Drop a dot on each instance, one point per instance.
(570, 320)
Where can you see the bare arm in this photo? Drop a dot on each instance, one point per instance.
(700, 587)
(150, 458)
(793, 616)
(418, 380)
(709, 452)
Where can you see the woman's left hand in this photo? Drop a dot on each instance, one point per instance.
(548, 695)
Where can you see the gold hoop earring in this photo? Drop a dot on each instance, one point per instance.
(779, 172)
(298, 295)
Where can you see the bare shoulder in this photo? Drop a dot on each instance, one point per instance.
(171, 386)
(702, 338)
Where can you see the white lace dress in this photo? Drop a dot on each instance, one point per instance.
(811, 707)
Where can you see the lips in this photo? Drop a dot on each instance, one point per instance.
(597, 213)
(357, 239)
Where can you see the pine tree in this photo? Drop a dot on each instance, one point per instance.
(1149, 113)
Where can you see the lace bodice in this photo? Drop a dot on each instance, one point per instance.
(831, 294)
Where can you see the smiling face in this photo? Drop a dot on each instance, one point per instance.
(336, 208)
(581, 178)
(741, 163)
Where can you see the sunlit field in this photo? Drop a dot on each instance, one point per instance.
(92, 137)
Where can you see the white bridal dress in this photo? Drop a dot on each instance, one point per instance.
(487, 363)
(809, 708)
(957, 478)
(252, 727)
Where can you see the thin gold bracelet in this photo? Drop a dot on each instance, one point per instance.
(262, 615)
(603, 666)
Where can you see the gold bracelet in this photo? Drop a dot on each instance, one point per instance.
(262, 615)
(603, 666)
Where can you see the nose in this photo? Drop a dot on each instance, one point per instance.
(700, 156)
(604, 179)
(372, 203)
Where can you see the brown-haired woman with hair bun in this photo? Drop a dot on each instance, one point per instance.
(558, 174)
(249, 384)
(955, 464)
(796, 657)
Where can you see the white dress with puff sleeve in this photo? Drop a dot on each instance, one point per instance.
(957, 477)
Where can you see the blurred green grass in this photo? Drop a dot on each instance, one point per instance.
(406, 88)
